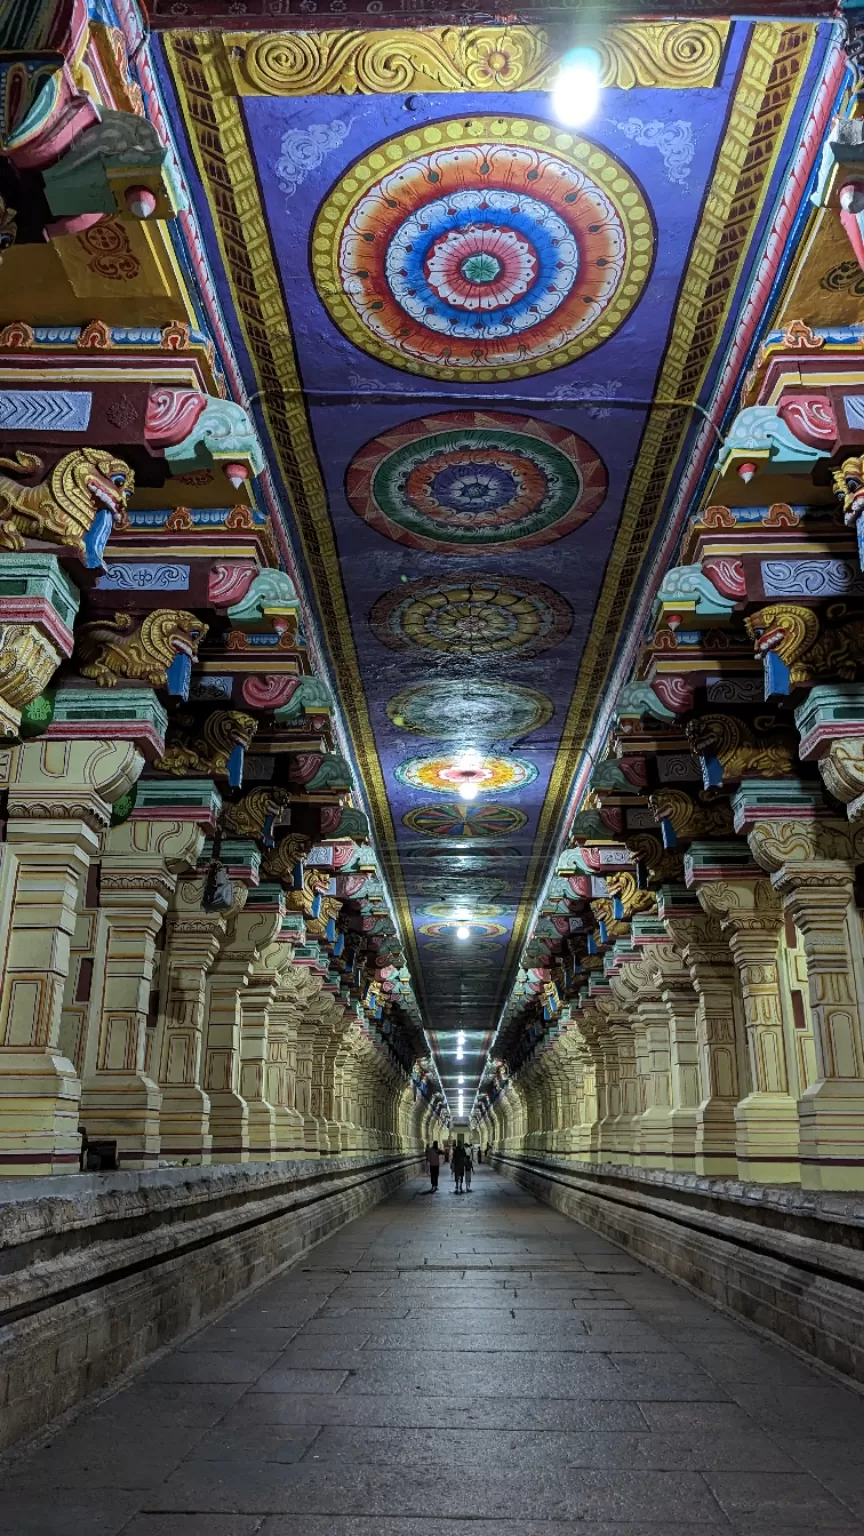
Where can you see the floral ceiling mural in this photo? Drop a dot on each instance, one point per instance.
(476, 343)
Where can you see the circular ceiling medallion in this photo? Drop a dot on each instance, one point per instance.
(473, 710)
(454, 820)
(482, 617)
(467, 481)
(485, 775)
(477, 930)
(491, 248)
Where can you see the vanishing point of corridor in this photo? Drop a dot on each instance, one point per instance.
(458, 1367)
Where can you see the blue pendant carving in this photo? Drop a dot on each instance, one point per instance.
(234, 766)
(668, 834)
(96, 538)
(778, 681)
(180, 675)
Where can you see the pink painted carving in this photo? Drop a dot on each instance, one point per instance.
(343, 852)
(171, 415)
(810, 417)
(580, 885)
(635, 771)
(229, 583)
(331, 815)
(674, 692)
(612, 816)
(350, 885)
(727, 574)
(269, 692)
(304, 767)
(561, 924)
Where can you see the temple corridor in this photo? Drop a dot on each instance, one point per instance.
(444, 1366)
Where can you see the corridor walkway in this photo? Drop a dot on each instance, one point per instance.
(475, 1366)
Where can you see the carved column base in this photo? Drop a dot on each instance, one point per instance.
(261, 1131)
(39, 1097)
(683, 1125)
(229, 1128)
(334, 1136)
(654, 1137)
(716, 1132)
(831, 1117)
(185, 1124)
(123, 1107)
(289, 1134)
(766, 1141)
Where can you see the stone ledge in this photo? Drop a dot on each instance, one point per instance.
(100, 1272)
(793, 1280)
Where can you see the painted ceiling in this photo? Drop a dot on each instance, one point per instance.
(472, 339)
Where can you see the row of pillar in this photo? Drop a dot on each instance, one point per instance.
(126, 1008)
(725, 1036)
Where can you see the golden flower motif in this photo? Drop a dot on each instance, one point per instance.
(494, 59)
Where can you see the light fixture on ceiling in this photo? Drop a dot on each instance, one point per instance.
(576, 89)
(462, 915)
(462, 932)
(461, 1081)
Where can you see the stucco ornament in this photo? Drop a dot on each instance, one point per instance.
(84, 496)
(223, 434)
(792, 632)
(271, 602)
(141, 649)
(849, 485)
(210, 748)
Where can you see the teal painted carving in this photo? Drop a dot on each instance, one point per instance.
(352, 824)
(36, 716)
(120, 154)
(271, 600)
(760, 433)
(223, 434)
(27, 575)
(687, 590)
(122, 809)
(638, 701)
(311, 697)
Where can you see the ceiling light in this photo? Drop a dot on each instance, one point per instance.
(462, 915)
(461, 1080)
(462, 932)
(459, 1054)
(467, 790)
(576, 91)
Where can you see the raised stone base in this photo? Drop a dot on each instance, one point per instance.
(100, 1270)
(788, 1260)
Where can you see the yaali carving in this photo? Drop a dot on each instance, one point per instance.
(206, 749)
(81, 489)
(124, 647)
(791, 631)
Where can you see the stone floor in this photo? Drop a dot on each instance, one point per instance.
(445, 1366)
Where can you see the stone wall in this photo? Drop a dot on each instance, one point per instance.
(788, 1261)
(100, 1271)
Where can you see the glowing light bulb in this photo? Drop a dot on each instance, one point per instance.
(467, 791)
(576, 91)
(462, 915)
(462, 932)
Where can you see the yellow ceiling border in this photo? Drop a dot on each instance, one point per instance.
(227, 170)
(776, 59)
(664, 55)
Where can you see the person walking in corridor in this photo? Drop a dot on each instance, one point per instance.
(433, 1158)
(459, 1165)
(469, 1169)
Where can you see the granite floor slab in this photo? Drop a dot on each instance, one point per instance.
(457, 1367)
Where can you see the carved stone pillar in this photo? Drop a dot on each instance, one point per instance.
(652, 1034)
(751, 918)
(139, 869)
(282, 1056)
(193, 940)
(60, 794)
(256, 1003)
(672, 978)
(813, 859)
(719, 1027)
(247, 933)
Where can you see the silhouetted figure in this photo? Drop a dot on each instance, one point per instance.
(469, 1169)
(459, 1165)
(434, 1157)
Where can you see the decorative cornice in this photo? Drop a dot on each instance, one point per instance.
(675, 55)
